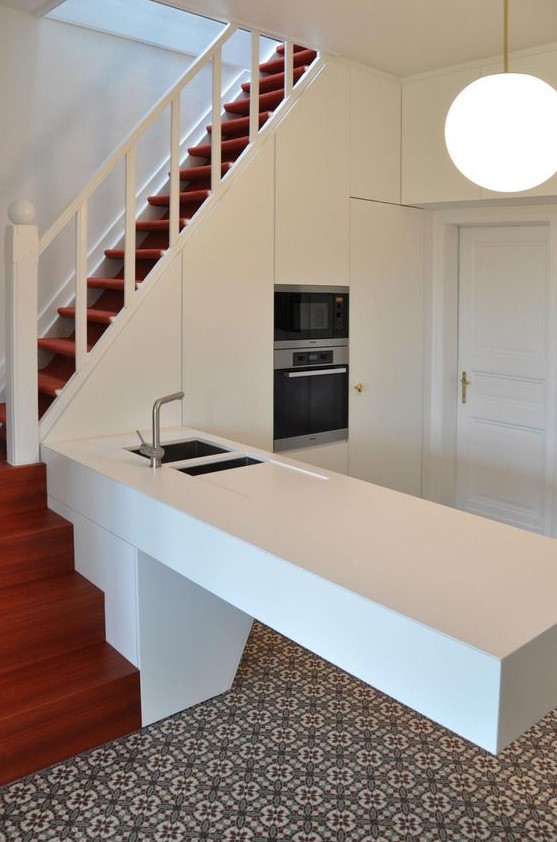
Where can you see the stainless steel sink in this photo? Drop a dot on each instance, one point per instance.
(176, 451)
(219, 465)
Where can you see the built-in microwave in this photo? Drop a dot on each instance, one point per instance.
(308, 316)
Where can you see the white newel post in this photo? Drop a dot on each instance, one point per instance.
(22, 411)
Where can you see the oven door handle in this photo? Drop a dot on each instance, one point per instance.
(316, 373)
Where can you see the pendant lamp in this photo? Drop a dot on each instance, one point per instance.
(501, 130)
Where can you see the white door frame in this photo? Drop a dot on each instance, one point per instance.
(441, 337)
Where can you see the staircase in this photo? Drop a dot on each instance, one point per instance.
(64, 689)
(153, 234)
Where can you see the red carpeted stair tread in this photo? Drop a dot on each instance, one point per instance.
(57, 345)
(267, 102)
(108, 283)
(159, 224)
(195, 175)
(3, 413)
(276, 65)
(49, 384)
(103, 317)
(186, 197)
(298, 48)
(140, 254)
(239, 126)
(229, 148)
(274, 81)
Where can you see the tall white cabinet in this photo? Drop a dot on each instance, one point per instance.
(386, 346)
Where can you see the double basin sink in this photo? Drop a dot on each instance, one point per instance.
(181, 451)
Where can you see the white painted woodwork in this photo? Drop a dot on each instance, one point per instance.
(81, 297)
(111, 564)
(375, 136)
(463, 607)
(312, 184)
(503, 447)
(143, 362)
(428, 174)
(386, 344)
(191, 642)
(47, 157)
(333, 456)
(22, 253)
(228, 311)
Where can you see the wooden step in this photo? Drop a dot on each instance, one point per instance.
(22, 488)
(267, 102)
(47, 618)
(274, 81)
(64, 706)
(57, 345)
(102, 317)
(202, 174)
(239, 126)
(230, 149)
(140, 254)
(276, 65)
(188, 197)
(34, 545)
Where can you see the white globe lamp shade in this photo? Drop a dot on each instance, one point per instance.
(501, 132)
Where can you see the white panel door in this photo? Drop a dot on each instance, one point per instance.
(503, 444)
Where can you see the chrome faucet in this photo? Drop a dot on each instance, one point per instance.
(154, 451)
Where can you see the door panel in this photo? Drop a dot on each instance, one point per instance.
(503, 341)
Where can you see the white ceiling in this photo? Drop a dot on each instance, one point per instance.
(404, 37)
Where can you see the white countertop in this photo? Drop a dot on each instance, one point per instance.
(486, 584)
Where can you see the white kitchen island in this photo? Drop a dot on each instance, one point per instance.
(451, 614)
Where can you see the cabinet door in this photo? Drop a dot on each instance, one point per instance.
(312, 184)
(386, 345)
(374, 137)
(428, 174)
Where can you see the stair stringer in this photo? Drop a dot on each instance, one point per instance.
(151, 366)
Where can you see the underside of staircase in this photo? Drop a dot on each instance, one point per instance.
(106, 293)
(64, 689)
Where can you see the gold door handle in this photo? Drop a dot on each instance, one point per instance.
(359, 387)
(464, 383)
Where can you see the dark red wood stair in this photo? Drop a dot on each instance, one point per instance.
(64, 689)
(152, 235)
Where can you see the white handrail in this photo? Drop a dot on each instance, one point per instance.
(69, 212)
(24, 245)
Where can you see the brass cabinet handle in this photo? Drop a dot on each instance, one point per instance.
(464, 383)
(359, 387)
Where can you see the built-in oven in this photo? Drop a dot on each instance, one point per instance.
(310, 396)
(310, 316)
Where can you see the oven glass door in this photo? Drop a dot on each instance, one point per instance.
(311, 405)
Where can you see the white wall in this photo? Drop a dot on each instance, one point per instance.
(68, 97)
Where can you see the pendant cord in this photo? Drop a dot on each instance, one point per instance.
(506, 36)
